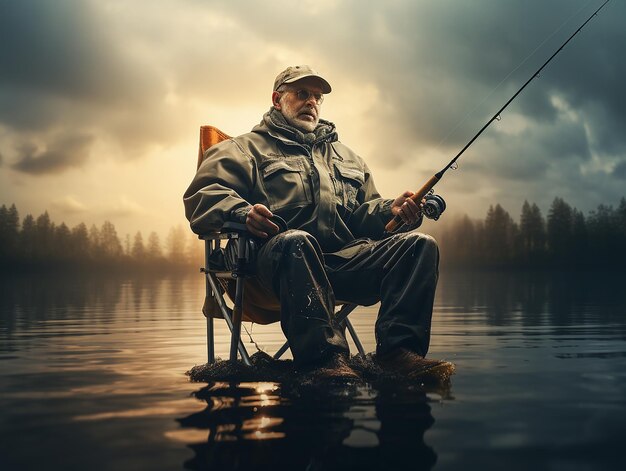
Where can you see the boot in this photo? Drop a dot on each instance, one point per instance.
(336, 366)
(411, 365)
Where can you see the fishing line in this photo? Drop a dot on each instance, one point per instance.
(534, 51)
(427, 188)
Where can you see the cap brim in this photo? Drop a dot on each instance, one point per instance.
(325, 86)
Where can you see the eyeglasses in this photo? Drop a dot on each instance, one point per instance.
(305, 95)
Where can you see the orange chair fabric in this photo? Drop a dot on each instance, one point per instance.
(209, 136)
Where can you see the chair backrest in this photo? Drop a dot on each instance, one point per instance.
(259, 307)
(209, 136)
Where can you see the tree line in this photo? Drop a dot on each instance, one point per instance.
(565, 239)
(36, 243)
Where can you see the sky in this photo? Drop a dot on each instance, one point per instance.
(101, 100)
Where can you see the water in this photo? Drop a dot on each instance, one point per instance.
(92, 376)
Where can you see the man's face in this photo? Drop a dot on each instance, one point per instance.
(300, 103)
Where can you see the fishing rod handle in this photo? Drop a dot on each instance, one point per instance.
(396, 222)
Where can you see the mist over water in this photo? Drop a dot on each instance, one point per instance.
(92, 376)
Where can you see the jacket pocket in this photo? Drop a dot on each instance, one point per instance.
(286, 183)
(349, 180)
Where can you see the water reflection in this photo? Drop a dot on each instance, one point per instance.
(312, 426)
(553, 298)
(534, 298)
(92, 373)
(28, 301)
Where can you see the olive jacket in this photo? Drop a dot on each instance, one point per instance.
(313, 181)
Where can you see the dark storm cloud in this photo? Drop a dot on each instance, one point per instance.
(63, 152)
(482, 42)
(59, 49)
(436, 65)
(42, 45)
(620, 170)
(562, 142)
(435, 61)
(65, 70)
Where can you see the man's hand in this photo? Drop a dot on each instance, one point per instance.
(258, 222)
(406, 208)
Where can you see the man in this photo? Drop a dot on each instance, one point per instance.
(292, 165)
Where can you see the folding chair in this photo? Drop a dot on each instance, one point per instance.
(238, 282)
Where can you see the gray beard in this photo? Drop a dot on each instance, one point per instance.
(295, 123)
(325, 130)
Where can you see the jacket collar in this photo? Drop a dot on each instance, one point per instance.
(274, 124)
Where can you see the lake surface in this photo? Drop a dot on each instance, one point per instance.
(92, 376)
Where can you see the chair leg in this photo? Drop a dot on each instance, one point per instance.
(344, 312)
(210, 340)
(281, 350)
(210, 334)
(235, 340)
(212, 282)
(236, 329)
(355, 337)
(342, 316)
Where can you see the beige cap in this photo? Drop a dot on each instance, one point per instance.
(295, 73)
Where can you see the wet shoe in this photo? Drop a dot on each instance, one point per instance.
(407, 363)
(336, 367)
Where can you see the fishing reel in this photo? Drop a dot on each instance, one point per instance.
(434, 206)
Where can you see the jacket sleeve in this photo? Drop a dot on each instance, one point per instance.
(222, 185)
(372, 213)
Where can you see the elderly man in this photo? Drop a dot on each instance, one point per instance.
(292, 165)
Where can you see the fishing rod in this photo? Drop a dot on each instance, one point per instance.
(396, 222)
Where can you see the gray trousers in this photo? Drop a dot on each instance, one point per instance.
(400, 271)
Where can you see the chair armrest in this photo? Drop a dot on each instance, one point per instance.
(230, 230)
(238, 227)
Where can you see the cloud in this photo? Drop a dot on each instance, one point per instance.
(69, 204)
(442, 66)
(66, 70)
(620, 170)
(63, 152)
(122, 207)
(85, 76)
(433, 61)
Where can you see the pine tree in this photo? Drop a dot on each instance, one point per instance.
(532, 234)
(154, 251)
(9, 232)
(176, 244)
(560, 225)
(110, 244)
(500, 235)
(62, 249)
(80, 242)
(603, 224)
(138, 251)
(28, 239)
(95, 242)
(44, 237)
(580, 237)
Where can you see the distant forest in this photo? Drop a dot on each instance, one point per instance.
(566, 239)
(39, 243)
